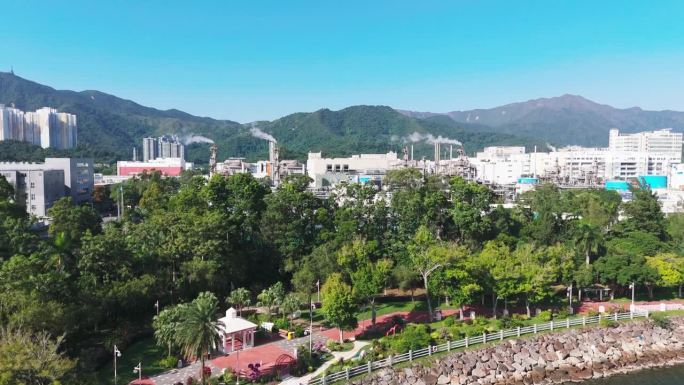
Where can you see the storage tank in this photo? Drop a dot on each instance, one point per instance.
(618, 185)
(654, 181)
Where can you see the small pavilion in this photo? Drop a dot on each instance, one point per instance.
(236, 333)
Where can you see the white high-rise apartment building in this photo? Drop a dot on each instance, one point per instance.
(163, 147)
(45, 127)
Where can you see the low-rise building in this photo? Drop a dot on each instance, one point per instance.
(36, 189)
(40, 184)
(329, 171)
(167, 166)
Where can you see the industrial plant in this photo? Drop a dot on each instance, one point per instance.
(653, 158)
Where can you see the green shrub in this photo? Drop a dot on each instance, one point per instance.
(332, 345)
(299, 331)
(282, 323)
(508, 323)
(275, 329)
(449, 321)
(411, 338)
(562, 314)
(661, 320)
(169, 362)
(607, 323)
(228, 377)
(544, 316)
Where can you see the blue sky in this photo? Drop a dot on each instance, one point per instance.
(252, 60)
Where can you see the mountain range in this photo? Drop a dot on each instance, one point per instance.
(563, 120)
(109, 126)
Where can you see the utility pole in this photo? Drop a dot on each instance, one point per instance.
(118, 207)
(122, 200)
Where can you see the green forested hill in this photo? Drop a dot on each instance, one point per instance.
(564, 120)
(109, 127)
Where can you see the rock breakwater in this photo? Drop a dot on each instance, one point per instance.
(571, 356)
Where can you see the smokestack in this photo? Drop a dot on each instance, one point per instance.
(212, 160)
(437, 148)
(411, 152)
(451, 151)
(135, 154)
(273, 159)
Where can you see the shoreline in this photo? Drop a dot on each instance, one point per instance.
(572, 356)
(627, 370)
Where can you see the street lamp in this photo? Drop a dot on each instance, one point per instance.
(237, 381)
(570, 298)
(632, 307)
(138, 369)
(117, 353)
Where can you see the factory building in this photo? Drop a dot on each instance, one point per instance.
(330, 171)
(167, 167)
(663, 142)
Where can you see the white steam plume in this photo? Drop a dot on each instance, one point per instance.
(190, 139)
(429, 138)
(257, 133)
(550, 147)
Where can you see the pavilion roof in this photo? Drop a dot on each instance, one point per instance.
(231, 323)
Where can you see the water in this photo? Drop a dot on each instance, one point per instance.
(664, 376)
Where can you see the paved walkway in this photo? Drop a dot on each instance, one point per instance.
(358, 345)
(181, 375)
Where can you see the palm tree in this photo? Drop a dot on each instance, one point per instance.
(290, 304)
(588, 239)
(271, 297)
(198, 330)
(239, 298)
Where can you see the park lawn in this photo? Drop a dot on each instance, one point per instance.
(392, 307)
(381, 309)
(145, 351)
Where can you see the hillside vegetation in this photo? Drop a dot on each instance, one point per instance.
(109, 127)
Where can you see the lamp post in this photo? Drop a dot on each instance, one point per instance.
(117, 353)
(632, 306)
(570, 298)
(311, 309)
(237, 381)
(138, 369)
(156, 306)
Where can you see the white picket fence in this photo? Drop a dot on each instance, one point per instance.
(470, 341)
